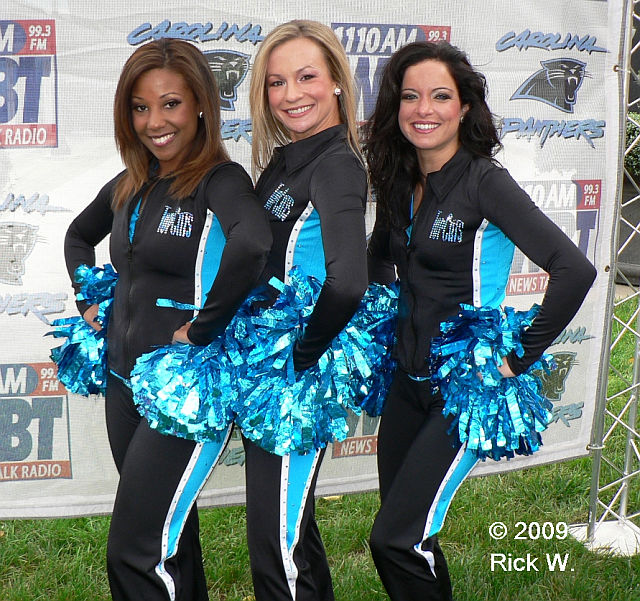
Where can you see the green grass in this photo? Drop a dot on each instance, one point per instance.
(63, 560)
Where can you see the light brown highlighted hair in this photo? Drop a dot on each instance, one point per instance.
(267, 131)
(207, 150)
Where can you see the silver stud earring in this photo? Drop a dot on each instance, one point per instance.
(200, 115)
(337, 91)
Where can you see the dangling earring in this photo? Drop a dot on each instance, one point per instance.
(200, 115)
(337, 91)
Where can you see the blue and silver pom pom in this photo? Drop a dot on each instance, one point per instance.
(82, 358)
(285, 411)
(194, 392)
(374, 327)
(97, 284)
(495, 416)
(186, 390)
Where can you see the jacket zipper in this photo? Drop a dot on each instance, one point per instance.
(130, 264)
(415, 365)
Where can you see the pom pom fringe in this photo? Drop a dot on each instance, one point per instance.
(186, 391)
(248, 374)
(495, 416)
(82, 358)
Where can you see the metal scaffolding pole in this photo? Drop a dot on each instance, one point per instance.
(613, 523)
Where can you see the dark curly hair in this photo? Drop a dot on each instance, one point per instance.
(390, 156)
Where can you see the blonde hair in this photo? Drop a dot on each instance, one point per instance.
(267, 131)
(207, 150)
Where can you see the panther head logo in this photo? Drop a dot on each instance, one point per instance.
(553, 383)
(16, 243)
(556, 83)
(230, 69)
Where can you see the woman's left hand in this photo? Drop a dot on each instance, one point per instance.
(180, 335)
(505, 370)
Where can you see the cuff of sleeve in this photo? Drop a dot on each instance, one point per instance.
(515, 363)
(193, 338)
(304, 359)
(82, 307)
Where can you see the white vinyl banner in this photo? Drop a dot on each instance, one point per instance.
(553, 85)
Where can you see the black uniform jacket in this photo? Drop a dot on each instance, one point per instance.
(458, 248)
(206, 250)
(314, 191)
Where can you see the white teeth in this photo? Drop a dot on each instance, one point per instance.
(302, 109)
(162, 139)
(425, 126)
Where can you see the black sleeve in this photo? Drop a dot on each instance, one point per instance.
(230, 196)
(85, 232)
(338, 191)
(381, 267)
(571, 274)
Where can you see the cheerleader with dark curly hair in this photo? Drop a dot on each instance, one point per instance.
(448, 219)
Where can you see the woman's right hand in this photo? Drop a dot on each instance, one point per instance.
(505, 370)
(90, 317)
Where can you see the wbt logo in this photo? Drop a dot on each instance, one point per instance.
(369, 47)
(34, 423)
(28, 100)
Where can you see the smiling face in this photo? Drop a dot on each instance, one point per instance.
(300, 88)
(165, 116)
(430, 112)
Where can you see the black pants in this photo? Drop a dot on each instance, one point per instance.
(288, 561)
(420, 467)
(153, 550)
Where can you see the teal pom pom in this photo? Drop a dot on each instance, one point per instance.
(194, 392)
(374, 327)
(495, 416)
(185, 391)
(189, 391)
(96, 283)
(283, 411)
(82, 358)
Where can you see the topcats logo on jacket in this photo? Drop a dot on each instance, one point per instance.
(176, 222)
(447, 229)
(280, 202)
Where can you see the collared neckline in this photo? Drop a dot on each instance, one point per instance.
(168, 179)
(298, 154)
(449, 174)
